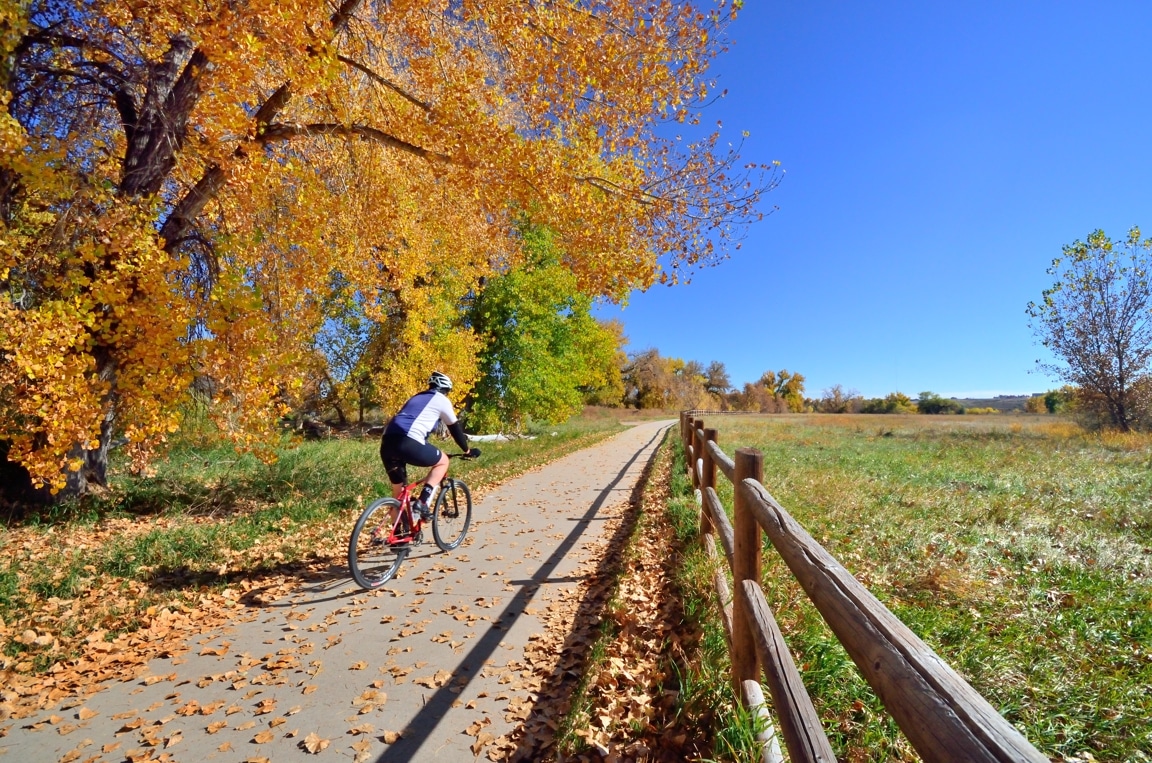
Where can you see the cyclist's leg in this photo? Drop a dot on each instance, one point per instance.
(438, 471)
(396, 467)
(432, 482)
(418, 453)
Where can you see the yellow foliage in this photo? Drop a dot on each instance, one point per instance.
(182, 214)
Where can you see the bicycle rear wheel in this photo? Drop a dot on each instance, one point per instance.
(452, 514)
(371, 560)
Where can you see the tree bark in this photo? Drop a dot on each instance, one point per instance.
(94, 462)
(162, 119)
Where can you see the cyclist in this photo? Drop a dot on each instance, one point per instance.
(405, 441)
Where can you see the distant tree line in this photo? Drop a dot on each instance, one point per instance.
(654, 381)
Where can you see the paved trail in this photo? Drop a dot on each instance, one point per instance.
(436, 654)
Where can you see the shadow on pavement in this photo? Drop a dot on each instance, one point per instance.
(438, 705)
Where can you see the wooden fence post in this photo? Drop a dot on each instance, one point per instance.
(745, 566)
(708, 480)
(687, 438)
(697, 445)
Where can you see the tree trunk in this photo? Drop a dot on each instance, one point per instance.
(94, 467)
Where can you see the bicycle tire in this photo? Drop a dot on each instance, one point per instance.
(452, 515)
(371, 560)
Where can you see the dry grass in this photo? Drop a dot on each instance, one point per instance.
(1018, 547)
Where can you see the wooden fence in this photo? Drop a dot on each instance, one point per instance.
(943, 717)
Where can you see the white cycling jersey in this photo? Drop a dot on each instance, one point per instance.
(419, 415)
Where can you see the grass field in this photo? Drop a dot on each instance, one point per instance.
(1019, 548)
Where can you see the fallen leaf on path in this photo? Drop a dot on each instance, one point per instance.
(482, 741)
(363, 750)
(313, 743)
(191, 708)
(263, 737)
(390, 737)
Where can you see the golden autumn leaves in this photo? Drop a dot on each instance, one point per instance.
(181, 182)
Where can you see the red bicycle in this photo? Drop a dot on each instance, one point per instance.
(386, 530)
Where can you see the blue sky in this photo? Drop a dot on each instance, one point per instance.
(937, 157)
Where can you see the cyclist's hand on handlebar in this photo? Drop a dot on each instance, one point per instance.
(472, 453)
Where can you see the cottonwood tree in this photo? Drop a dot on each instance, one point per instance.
(654, 381)
(716, 381)
(836, 399)
(182, 179)
(1097, 320)
(785, 386)
(542, 347)
(609, 391)
(931, 403)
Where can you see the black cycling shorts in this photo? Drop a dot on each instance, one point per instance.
(399, 450)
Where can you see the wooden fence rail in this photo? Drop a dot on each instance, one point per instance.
(943, 717)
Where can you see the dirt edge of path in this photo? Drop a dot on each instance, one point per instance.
(610, 649)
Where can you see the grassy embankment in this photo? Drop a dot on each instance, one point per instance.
(1020, 549)
(209, 518)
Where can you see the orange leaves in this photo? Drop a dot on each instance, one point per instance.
(394, 145)
(92, 320)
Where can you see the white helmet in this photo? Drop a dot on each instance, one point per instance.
(439, 382)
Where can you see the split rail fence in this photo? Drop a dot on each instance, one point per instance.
(943, 717)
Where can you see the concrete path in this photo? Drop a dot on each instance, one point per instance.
(429, 669)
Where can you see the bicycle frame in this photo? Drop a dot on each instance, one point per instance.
(406, 494)
(405, 513)
(371, 565)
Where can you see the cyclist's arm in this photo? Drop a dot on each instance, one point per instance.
(457, 431)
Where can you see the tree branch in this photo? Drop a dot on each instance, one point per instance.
(385, 82)
(192, 204)
(288, 131)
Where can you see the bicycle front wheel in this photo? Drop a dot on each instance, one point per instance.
(371, 560)
(452, 514)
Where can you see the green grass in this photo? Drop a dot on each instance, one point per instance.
(705, 687)
(1020, 549)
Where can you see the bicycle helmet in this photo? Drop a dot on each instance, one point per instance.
(439, 382)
